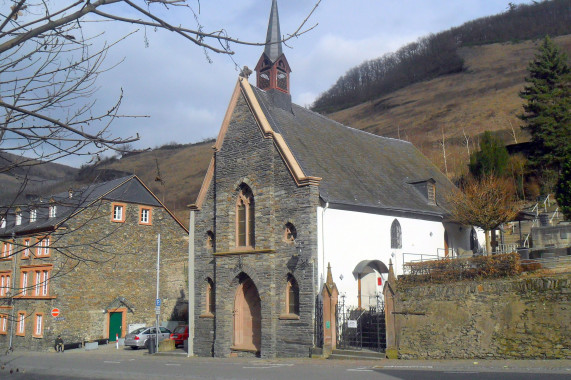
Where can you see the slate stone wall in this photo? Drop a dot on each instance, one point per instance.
(95, 261)
(247, 157)
(494, 319)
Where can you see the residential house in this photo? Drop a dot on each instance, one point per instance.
(82, 265)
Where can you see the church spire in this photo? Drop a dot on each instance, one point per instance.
(273, 47)
(272, 70)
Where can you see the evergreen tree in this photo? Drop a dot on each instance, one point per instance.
(547, 108)
(491, 159)
(563, 189)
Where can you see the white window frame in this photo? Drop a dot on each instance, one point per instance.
(21, 323)
(38, 278)
(26, 253)
(52, 211)
(39, 320)
(2, 223)
(45, 280)
(145, 213)
(33, 215)
(118, 213)
(3, 322)
(25, 283)
(18, 218)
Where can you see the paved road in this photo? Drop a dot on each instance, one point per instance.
(109, 363)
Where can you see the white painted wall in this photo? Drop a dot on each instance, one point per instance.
(348, 237)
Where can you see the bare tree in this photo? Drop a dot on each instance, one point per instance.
(49, 65)
(487, 203)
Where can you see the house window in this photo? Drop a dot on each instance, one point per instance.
(210, 304)
(3, 324)
(118, 210)
(18, 218)
(52, 211)
(43, 247)
(24, 284)
(290, 233)
(33, 215)
(38, 325)
(35, 281)
(396, 235)
(431, 189)
(145, 215)
(292, 296)
(6, 250)
(21, 323)
(26, 249)
(5, 283)
(245, 212)
(2, 222)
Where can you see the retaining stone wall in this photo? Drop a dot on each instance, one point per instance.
(503, 318)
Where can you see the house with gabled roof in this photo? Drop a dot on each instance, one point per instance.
(289, 191)
(83, 264)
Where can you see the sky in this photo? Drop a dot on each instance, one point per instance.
(167, 78)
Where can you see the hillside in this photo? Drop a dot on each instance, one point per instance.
(457, 106)
(482, 97)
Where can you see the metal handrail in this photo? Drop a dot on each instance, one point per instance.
(536, 209)
(555, 213)
(546, 202)
(526, 241)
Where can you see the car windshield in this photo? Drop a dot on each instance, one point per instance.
(138, 331)
(179, 330)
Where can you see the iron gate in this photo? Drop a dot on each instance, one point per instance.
(318, 322)
(361, 328)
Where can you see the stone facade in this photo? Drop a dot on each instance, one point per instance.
(98, 267)
(248, 157)
(495, 319)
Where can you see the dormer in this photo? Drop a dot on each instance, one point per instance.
(427, 188)
(52, 211)
(33, 215)
(2, 222)
(18, 217)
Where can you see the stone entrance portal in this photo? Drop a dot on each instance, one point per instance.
(247, 317)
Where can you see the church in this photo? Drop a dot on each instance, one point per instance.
(289, 192)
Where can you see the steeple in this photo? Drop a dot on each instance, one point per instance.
(272, 70)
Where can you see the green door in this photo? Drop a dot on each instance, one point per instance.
(115, 324)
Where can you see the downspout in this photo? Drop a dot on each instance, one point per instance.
(191, 285)
(313, 263)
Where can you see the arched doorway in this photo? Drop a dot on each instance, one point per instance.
(369, 282)
(247, 316)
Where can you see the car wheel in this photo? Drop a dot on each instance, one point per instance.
(134, 348)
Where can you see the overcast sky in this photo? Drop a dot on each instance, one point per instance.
(186, 97)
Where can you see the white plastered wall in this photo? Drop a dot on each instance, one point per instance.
(345, 238)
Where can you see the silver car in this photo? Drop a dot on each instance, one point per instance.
(141, 336)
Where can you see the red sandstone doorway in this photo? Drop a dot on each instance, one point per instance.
(247, 317)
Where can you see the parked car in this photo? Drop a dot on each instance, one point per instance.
(141, 336)
(179, 335)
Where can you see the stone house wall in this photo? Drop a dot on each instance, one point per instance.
(495, 319)
(99, 265)
(247, 157)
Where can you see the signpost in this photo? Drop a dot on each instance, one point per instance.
(352, 324)
(55, 312)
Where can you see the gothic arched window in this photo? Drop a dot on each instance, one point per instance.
(245, 211)
(292, 296)
(396, 235)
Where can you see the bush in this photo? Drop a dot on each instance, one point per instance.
(448, 270)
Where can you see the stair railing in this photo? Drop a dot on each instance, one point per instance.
(536, 209)
(555, 215)
(546, 203)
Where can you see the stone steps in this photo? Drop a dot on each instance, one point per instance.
(356, 355)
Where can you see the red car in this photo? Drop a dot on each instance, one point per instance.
(179, 335)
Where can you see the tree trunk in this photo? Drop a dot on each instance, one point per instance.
(488, 243)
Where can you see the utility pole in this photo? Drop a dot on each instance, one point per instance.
(157, 299)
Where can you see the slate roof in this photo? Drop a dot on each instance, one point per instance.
(357, 168)
(125, 189)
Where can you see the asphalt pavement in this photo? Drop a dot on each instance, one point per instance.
(107, 362)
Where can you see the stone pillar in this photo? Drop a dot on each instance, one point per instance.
(390, 318)
(330, 296)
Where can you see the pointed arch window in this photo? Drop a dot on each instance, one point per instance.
(292, 297)
(209, 301)
(396, 235)
(245, 218)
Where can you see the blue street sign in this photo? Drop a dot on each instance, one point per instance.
(158, 303)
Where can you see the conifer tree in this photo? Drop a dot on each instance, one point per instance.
(491, 159)
(563, 190)
(547, 107)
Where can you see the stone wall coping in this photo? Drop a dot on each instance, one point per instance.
(289, 317)
(244, 252)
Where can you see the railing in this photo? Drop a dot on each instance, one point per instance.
(506, 248)
(555, 215)
(420, 257)
(549, 262)
(546, 203)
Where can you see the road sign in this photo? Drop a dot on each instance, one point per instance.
(157, 310)
(55, 312)
(352, 324)
(158, 302)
